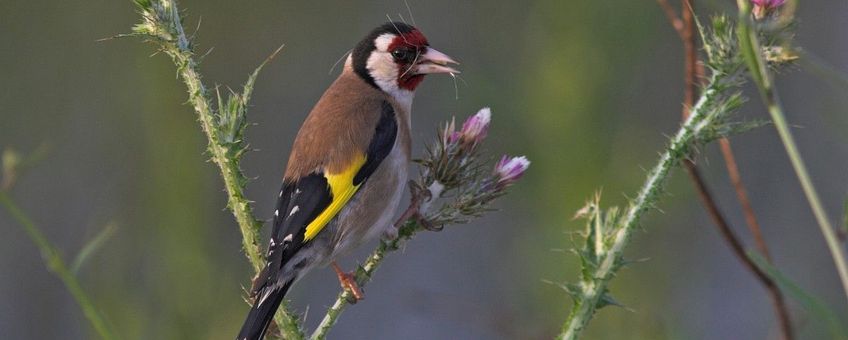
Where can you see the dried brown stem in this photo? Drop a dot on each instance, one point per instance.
(742, 197)
(739, 250)
(692, 73)
(671, 14)
(719, 220)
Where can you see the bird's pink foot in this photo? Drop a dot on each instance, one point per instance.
(348, 283)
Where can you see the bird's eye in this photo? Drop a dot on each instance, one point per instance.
(402, 54)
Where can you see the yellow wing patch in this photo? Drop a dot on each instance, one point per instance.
(342, 188)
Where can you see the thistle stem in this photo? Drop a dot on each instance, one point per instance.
(406, 229)
(163, 23)
(693, 72)
(750, 47)
(363, 275)
(590, 293)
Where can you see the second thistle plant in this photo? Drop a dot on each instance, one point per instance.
(608, 232)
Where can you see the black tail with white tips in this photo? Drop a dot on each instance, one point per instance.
(262, 312)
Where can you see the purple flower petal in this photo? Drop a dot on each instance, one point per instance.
(476, 127)
(509, 170)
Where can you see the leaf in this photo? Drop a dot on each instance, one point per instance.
(607, 300)
(810, 303)
(14, 164)
(11, 161)
(93, 246)
(248, 86)
(573, 290)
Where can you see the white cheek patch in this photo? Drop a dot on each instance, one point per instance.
(383, 69)
(383, 41)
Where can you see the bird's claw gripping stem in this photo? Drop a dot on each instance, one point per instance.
(348, 283)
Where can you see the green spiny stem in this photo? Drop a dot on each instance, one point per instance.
(363, 275)
(590, 293)
(180, 51)
(750, 47)
(163, 23)
(57, 265)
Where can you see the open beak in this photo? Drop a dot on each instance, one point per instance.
(434, 62)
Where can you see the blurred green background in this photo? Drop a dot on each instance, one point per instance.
(586, 89)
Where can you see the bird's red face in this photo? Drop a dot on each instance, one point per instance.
(414, 59)
(399, 57)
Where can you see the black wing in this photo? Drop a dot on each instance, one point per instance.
(381, 144)
(311, 194)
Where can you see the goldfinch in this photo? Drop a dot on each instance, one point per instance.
(348, 166)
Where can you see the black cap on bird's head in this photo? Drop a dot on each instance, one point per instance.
(396, 57)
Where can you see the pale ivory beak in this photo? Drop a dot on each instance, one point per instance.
(434, 62)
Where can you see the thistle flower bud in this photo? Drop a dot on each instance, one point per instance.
(453, 165)
(763, 8)
(508, 170)
(474, 129)
(449, 134)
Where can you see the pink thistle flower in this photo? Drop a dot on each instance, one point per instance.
(475, 128)
(762, 8)
(768, 3)
(508, 170)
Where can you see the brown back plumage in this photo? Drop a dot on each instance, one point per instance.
(340, 127)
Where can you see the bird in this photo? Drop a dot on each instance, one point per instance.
(347, 169)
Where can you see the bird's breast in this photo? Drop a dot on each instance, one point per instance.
(374, 207)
